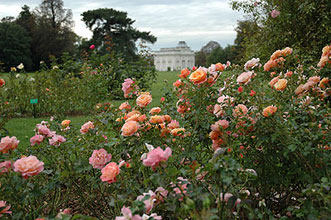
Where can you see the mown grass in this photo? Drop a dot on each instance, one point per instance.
(23, 128)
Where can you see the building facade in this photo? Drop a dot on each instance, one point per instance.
(174, 58)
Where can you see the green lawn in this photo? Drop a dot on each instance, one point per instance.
(23, 128)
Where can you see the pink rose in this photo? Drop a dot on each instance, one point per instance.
(221, 123)
(126, 86)
(92, 47)
(99, 158)
(4, 209)
(275, 13)
(173, 124)
(44, 130)
(110, 172)
(37, 139)
(28, 166)
(5, 166)
(244, 77)
(8, 143)
(156, 156)
(127, 215)
(86, 127)
(56, 140)
(149, 203)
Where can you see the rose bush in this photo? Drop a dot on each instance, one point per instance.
(208, 151)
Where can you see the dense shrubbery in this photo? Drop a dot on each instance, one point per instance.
(224, 144)
(73, 86)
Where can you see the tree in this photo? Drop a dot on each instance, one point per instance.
(14, 45)
(113, 24)
(222, 55)
(301, 24)
(53, 34)
(200, 58)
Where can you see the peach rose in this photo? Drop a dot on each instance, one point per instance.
(134, 117)
(287, 51)
(184, 73)
(124, 105)
(273, 81)
(219, 67)
(110, 172)
(156, 119)
(99, 158)
(219, 124)
(199, 76)
(178, 131)
(173, 124)
(132, 113)
(28, 166)
(65, 123)
(244, 77)
(5, 166)
(166, 118)
(270, 110)
(86, 127)
(129, 128)
(142, 118)
(240, 110)
(4, 209)
(8, 143)
(269, 65)
(250, 64)
(280, 84)
(155, 110)
(214, 135)
(2, 82)
(276, 54)
(144, 99)
(37, 139)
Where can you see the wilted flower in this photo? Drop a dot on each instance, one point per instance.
(5, 166)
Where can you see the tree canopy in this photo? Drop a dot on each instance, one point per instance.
(113, 24)
(304, 25)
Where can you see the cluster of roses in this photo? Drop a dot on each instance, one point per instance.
(326, 56)
(277, 58)
(129, 88)
(199, 77)
(135, 120)
(315, 84)
(152, 199)
(27, 166)
(43, 131)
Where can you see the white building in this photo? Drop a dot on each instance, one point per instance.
(174, 58)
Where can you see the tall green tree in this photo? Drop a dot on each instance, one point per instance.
(304, 25)
(110, 23)
(222, 55)
(14, 45)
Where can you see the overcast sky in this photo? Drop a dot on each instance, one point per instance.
(194, 21)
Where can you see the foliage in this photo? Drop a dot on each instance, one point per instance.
(14, 45)
(302, 25)
(224, 144)
(117, 27)
(222, 55)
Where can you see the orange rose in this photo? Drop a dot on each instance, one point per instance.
(155, 110)
(273, 81)
(125, 105)
(134, 117)
(280, 84)
(65, 123)
(299, 90)
(287, 51)
(175, 132)
(110, 172)
(276, 54)
(156, 119)
(198, 77)
(219, 67)
(166, 118)
(129, 128)
(184, 73)
(270, 110)
(240, 110)
(144, 99)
